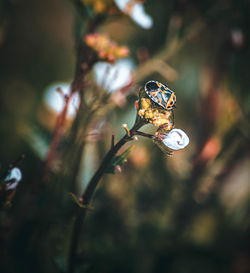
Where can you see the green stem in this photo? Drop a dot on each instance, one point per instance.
(87, 195)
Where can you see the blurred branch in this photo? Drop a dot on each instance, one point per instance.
(85, 59)
(158, 62)
(209, 119)
(56, 138)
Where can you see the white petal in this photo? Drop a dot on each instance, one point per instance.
(141, 17)
(176, 139)
(16, 176)
(121, 4)
(112, 77)
(138, 13)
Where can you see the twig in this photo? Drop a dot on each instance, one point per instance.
(57, 135)
(152, 65)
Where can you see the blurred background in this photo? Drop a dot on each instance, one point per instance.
(189, 212)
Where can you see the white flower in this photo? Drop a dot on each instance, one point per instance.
(112, 77)
(55, 100)
(137, 13)
(13, 178)
(176, 139)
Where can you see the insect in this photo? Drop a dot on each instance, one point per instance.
(160, 94)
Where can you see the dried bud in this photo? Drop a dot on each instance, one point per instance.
(150, 112)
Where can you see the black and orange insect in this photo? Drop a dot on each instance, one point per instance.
(160, 94)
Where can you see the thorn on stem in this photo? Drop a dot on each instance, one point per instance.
(112, 141)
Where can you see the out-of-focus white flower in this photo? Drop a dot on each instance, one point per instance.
(237, 37)
(113, 77)
(176, 139)
(56, 101)
(13, 178)
(136, 12)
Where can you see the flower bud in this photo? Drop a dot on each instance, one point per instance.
(13, 178)
(105, 48)
(176, 139)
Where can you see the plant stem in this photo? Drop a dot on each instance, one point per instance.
(87, 195)
(139, 133)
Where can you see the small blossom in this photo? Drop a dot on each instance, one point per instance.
(135, 10)
(176, 139)
(105, 48)
(13, 178)
(113, 77)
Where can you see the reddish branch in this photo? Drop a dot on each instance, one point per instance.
(57, 136)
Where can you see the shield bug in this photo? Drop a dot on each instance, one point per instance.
(160, 94)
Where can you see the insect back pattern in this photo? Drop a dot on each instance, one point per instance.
(160, 94)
